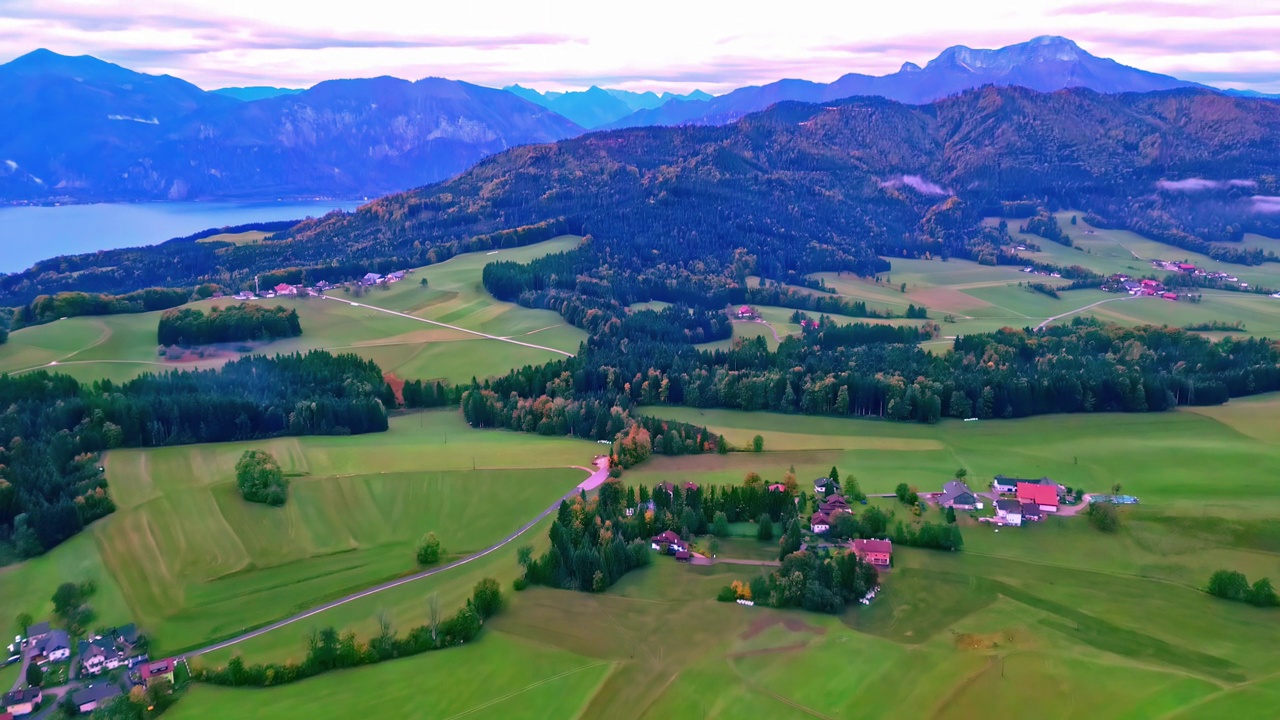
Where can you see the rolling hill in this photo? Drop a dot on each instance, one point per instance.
(795, 189)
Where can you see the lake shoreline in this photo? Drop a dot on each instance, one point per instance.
(31, 234)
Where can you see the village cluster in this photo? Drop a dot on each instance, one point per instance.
(1154, 288)
(97, 657)
(287, 290)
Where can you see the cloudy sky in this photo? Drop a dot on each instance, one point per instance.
(678, 45)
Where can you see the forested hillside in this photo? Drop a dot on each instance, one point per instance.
(788, 191)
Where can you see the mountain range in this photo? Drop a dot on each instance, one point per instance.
(787, 191)
(77, 129)
(597, 107)
(1044, 63)
(80, 129)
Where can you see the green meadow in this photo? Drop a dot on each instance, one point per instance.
(121, 347)
(1055, 616)
(191, 562)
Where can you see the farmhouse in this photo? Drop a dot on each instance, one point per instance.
(956, 494)
(22, 702)
(668, 542)
(819, 523)
(157, 671)
(745, 313)
(370, 278)
(396, 276)
(834, 504)
(1009, 512)
(88, 699)
(1003, 484)
(126, 637)
(821, 484)
(1031, 512)
(877, 552)
(1045, 496)
(53, 647)
(283, 290)
(98, 654)
(37, 631)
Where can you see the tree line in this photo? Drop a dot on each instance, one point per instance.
(328, 650)
(1085, 366)
(234, 323)
(47, 308)
(51, 484)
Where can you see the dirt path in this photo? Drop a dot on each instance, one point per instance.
(451, 327)
(593, 481)
(1086, 307)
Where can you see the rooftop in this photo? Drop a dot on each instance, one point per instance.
(874, 546)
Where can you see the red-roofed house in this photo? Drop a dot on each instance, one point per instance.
(668, 542)
(746, 313)
(1045, 496)
(876, 552)
(691, 487)
(283, 289)
(157, 671)
(1186, 267)
(819, 523)
(777, 487)
(1170, 296)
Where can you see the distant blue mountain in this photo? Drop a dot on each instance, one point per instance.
(596, 106)
(255, 92)
(80, 129)
(1044, 63)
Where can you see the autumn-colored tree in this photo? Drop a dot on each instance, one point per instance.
(741, 589)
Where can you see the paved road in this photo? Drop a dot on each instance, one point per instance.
(22, 672)
(1086, 307)
(593, 481)
(445, 325)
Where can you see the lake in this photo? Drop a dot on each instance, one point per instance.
(30, 234)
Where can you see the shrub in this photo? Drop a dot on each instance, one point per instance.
(486, 598)
(260, 478)
(727, 594)
(519, 584)
(1229, 585)
(720, 525)
(1104, 517)
(429, 550)
(764, 531)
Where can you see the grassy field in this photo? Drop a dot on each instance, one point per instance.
(251, 237)
(121, 347)
(981, 298)
(190, 561)
(1077, 623)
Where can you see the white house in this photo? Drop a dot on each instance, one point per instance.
(819, 523)
(54, 647)
(1010, 512)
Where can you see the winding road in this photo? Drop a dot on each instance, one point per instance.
(451, 327)
(592, 482)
